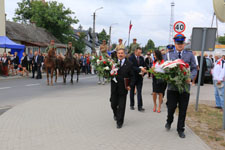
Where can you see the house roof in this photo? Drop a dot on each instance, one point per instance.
(29, 33)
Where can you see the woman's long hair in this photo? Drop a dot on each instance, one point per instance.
(158, 55)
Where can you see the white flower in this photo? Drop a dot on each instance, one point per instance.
(98, 62)
(106, 68)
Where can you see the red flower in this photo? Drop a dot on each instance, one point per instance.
(100, 58)
(181, 67)
(104, 62)
(185, 73)
(186, 65)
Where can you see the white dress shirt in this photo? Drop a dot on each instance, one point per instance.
(218, 72)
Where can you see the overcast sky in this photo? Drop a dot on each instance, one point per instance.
(150, 18)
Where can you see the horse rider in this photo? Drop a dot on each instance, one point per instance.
(133, 46)
(52, 45)
(120, 45)
(70, 50)
(103, 48)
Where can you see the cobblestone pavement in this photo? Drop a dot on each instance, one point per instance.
(82, 120)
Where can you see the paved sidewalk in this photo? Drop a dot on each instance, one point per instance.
(82, 120)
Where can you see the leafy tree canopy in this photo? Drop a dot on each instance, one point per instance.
(221, 39)
(51, 15)
(103, 36)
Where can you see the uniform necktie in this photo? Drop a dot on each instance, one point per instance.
(179, 55)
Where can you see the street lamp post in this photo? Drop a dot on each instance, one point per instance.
(110, 30)
(94, 17)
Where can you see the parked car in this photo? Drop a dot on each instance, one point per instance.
(208, 73)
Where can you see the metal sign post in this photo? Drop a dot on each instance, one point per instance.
(203, 39)
(200, 71)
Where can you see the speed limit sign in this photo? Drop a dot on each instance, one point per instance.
(179, 27)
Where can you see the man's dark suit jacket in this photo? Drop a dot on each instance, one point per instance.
(136, 66)
(39, 61)
(124, 72)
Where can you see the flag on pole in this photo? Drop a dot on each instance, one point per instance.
(130, 27)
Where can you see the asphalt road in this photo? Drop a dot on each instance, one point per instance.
(17, 91)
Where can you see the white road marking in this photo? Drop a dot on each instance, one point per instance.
(32, 84)
(4, 88)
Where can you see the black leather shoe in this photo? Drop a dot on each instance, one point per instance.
(132, 108)
(141, 109)
(119, 126)
(115, 118)
(181, 135)
(168, 126)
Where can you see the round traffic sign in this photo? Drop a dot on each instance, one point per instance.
(179, 27)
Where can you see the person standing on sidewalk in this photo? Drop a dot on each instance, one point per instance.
(148, 61)
(5, 63)
(29, 58)
(139, 69)
(158, 84)
(218, 81)
(174, 97)
(118, 88)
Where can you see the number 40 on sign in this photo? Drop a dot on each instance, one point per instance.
(179, 27)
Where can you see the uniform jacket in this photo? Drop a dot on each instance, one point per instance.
(124, 72)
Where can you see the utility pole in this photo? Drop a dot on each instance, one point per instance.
(93, 34)
(93, 42)
(2, 18)
(171, 34)
(110, 30)
(110, 33)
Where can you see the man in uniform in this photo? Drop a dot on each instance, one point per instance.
(133, 46)
(52, 45)
(103, 48)
(174, 98)
(120, 88)
(70, 50)
(120, 45)
(170, 48)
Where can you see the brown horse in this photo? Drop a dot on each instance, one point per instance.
(51, 64)
(68, 65)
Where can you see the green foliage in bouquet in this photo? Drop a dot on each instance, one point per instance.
(177, 75)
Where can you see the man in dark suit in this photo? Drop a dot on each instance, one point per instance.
(36, 65)
(118, 88)
(138, 65)
(204, 65)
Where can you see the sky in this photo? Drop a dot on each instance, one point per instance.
(150, 18)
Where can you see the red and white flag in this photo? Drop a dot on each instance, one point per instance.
(130, 27)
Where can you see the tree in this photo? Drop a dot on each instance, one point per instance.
(221, 39)
(51, 15)
(103, 36)
(149, 46)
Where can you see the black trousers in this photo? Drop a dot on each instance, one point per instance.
(118, 105)
(138, 85)
(174, 99)
(34, 68)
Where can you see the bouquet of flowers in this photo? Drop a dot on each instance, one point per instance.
(105, 66)
(175, 72)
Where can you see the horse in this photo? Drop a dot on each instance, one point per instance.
(68, 65)
(50, 63)
(77, 66)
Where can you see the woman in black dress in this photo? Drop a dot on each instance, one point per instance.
(24, 63)
(158, 84)
(16, 62)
